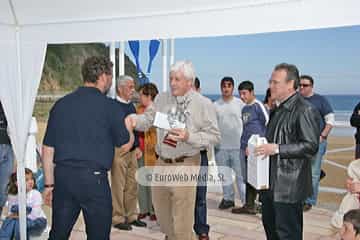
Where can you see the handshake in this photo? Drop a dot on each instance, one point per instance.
(130, 123)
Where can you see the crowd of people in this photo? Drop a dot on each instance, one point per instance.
(89, 134)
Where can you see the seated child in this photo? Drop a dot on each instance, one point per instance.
(351, 199)
(35, 220)
(351, 226)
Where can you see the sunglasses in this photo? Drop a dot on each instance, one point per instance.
(305, 85)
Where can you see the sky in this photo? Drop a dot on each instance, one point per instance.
(331, 56)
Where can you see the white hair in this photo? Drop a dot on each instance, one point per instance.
(121, 81)
(186, 67)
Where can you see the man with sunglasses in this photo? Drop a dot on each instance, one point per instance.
(326, 124)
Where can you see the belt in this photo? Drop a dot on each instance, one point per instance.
(174, 160)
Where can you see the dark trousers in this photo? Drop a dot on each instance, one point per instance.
(357, 151)
(282, 221)
(81, 189)
(200, 223)
(250, 195)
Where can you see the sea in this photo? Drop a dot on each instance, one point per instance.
(343, 106)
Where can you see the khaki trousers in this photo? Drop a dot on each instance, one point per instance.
(124, 187)
(174, 205)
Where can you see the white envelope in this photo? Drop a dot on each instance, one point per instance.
(161, 121)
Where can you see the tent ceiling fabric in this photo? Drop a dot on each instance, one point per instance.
(69, 21)
(44, 11)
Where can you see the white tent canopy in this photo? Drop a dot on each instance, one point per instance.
(88, 20)
(26, 27)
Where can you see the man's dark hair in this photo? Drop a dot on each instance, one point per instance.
(197, 83)
(93, 67)
(308, 77)
(292, 73)
(149, 89)
(267, 95)
(227, 79)
(353, 217)
(246, 85)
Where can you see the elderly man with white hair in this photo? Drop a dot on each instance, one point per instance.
(179, 147)
(123, 183)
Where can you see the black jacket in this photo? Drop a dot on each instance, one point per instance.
(294, 125)
(355, 122)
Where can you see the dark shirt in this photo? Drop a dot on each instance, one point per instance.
(84, 127)
(129, 108)
(255, 118)
(4, 137)
(322, 105)
(355, 122)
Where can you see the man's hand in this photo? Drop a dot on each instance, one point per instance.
(247, 152)
(352, 186)
(266, 149)
(126, 147)
(48, 195)
(178, 134)
(130, 123)
(138, 153)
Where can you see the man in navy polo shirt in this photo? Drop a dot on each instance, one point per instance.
(82, 131)
(326, 123)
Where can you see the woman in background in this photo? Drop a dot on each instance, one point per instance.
(147, 141)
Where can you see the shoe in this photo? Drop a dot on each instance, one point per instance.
(138, 223)
(307, 207)
(123, 226)
(153, 217)
(142, 215)
(204, 236)
(322, 174)
(244, 210)
(225, 204)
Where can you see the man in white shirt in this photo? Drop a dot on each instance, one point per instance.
(227, 153)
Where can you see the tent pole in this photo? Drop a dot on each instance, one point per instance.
(172, 51)
(122, 58)
(20, 161)
(164, 65)
(112, 91)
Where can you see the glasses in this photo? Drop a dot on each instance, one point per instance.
(305, 85)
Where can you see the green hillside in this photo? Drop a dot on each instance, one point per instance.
(62, 67)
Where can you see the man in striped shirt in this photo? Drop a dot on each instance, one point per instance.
(254, 117)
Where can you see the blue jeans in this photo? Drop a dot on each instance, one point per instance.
(315, 172)
(10, 228)
(6, 167)
(231, 158)
(200, 223)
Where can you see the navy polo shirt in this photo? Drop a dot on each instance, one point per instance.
(129, 108)
(322, 105)
(84, 127)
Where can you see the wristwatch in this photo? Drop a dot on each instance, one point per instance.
(277, 149)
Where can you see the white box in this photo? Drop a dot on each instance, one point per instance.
(258, 167)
